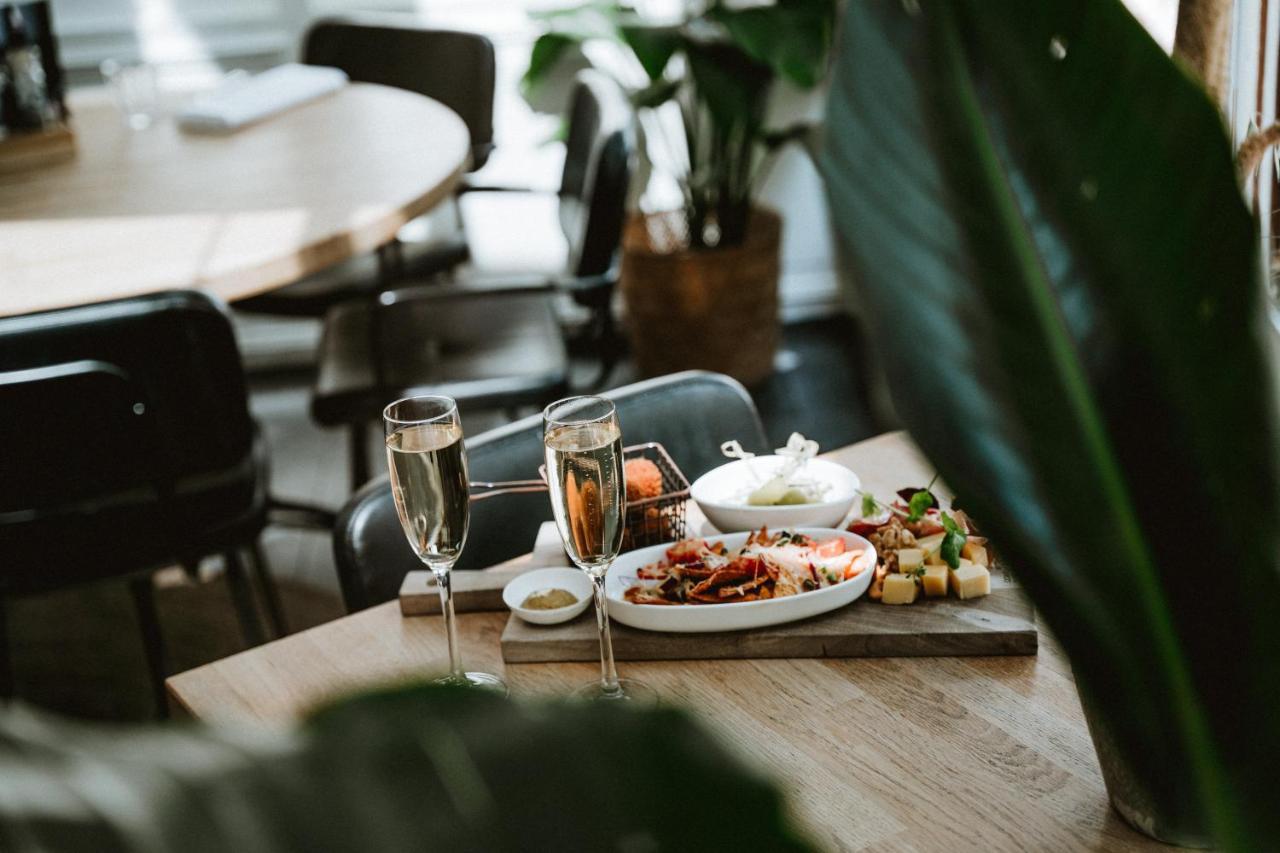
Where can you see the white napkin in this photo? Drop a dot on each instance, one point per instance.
(240, 102)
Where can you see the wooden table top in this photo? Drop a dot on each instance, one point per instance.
(236, 214)
(882, 753)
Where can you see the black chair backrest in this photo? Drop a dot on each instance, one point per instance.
(454, 68)
(111, 414)
(689, 413)
(599, 153)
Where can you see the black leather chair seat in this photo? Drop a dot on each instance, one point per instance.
(480, 351)
(126, 444)
(132, 532)
(689, 413)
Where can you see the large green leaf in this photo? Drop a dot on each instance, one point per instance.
(730, 83)
(1060, 273)
(547, 51)
(567, 29)
(653, 45)
(791, 36)
(408, 770)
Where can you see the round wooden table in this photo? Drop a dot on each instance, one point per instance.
(238, 214)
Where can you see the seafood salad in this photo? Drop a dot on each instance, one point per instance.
(787, 484)
(767, 565)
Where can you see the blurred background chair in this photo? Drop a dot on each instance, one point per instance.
(493, 342)
(689, 413)
(455, 68)
(126, 445)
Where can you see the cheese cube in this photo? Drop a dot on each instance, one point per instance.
(900, 589)
(976, 553)
(935, 581)
(970, 580)
(910, 559)
(932, 548)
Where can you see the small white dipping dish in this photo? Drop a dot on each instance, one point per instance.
(721, 494)
(573, 581)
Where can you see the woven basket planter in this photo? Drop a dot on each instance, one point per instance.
(713, 309)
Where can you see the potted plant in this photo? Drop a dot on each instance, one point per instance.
(700, 282)
(1064, 280)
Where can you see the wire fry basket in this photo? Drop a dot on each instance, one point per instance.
(650, 521)
(659, 519)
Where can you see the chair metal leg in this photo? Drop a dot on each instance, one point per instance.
(192, 570)
(242, 599)
(6, 662)
(390, 262)
(144, 605)
(270, 593)
(359, 450)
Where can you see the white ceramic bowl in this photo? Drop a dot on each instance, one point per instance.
(720, 494)
(699, 618)
(570, 580)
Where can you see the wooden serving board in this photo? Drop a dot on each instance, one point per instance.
(472, 591)
(1001, 623)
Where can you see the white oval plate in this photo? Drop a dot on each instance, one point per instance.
(700, 618)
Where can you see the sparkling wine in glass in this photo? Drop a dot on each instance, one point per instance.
(428, 465)
(583, 445)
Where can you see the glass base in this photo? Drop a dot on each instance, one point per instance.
(629, 690)
(479, 680)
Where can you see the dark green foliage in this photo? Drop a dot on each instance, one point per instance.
(1039, 193)
(409, 769)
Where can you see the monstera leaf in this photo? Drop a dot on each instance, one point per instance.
(1061, 275)
(411, 769)
(793, 36)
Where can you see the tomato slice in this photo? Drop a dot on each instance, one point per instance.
(829, 548)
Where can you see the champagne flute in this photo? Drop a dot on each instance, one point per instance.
(428, 465)
(583, 445)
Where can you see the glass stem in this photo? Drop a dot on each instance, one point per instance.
(450, 624)
(608, 673)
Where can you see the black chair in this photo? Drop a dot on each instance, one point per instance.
(689, 413)
(126, 445)
(455, 68)
(492, 344)
(589, 210)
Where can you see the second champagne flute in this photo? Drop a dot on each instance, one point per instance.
(583, 444)
(428, 465)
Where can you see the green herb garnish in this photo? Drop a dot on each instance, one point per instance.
(952, 542)
(869, 505)
(916, 507)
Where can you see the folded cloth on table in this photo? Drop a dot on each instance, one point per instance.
(238, 103)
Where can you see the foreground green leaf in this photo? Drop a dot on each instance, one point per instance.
(1039, 192)
(407, 770)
